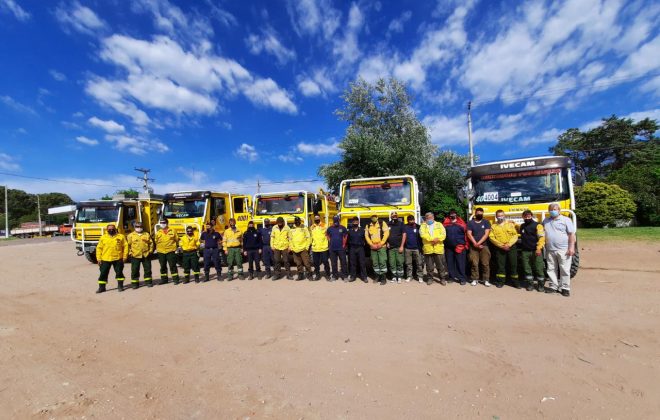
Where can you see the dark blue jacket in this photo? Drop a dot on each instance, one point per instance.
(265, 235)
(356, 238)
(252, 240)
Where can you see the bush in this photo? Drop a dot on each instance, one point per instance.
(440, 202)
(598, 204)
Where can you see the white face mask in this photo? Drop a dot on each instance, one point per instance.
(138, 230)
(163, 225)
(500, 219)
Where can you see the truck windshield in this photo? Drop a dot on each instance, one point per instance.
(93, 214)
(291, 204)
(184, 208)
(381, 194)
(539, 186)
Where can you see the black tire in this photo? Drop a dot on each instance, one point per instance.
(91, 257)
(575, 262)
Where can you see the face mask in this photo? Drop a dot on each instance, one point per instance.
(251, 227)
(411, 223)
(317, 221)
(478, 216)
(189, 233)
(280, 225)
(111, 232)
(163, 225)
(452, 218)
(527, 221)
(138, 230)
(231, 225)
(336, 222)
(297, 223)
(429, 222)
(554, 213)
(355, 225)
(395, 219)
(500, 219)
(208, 228)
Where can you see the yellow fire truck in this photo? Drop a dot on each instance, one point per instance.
(92, 218)
(196, 208)
(523, 184)
(364, 197)
(289, 204)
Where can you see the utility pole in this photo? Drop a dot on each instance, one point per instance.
(145, 180)
(258, 187)
(41, 230)
(6, 214)
(469, 121)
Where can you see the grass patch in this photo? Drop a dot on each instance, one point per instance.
(615, 234)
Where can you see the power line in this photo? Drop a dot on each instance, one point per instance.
(64, 181)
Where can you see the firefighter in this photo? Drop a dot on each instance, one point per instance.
(140, 247)
(252, 244)
(231, 242)
(320, 246)
(478, 230)
(266, 250)
(532, 236)
(376, 235)
(279, 241)
(190, 246)
(504, 235)
(300, 240)
(337, 236)
(412, 244)
(395, 248)
(212, 242)
(356, 243)
(456, 246)
(111, 252)
(433, 234)
(167, 242)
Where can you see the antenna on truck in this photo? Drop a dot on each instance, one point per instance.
(145, 180)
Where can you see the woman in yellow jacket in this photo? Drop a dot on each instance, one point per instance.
(433, 234)
(504, 235)
(300, 240)
(190, 245)
(320, 245)
(111, 252)
(279, 242)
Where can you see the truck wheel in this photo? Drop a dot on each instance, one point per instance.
(91, 257)
(575, 262)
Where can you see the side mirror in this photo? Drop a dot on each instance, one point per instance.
(159, 210)
(579, 178)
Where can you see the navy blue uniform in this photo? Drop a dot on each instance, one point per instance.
(252, 244)
(266, 250)
(356, 244)
(338, 235)
(211, 252)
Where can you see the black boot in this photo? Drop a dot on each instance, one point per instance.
(163, 280)
(219, 276)
(150, 283)
(120, 286)
(382, 279)
(251, 276)
(206, 277)
(540, 286)
(175, 279)
(530, 285)
(186, 280)
(136, 284)
(196, 278)
(101, 288)
(516, 283)
(301, 276)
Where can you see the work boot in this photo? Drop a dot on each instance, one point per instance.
(317, 277)
(550, 290)
(383, 280)
(516, 283)
(443, 282)
(150, 283)
(120, 286)
(268, 275)
(565, 293)
(309, 276)
(218, 275)
(241, 276)
(101, 288)
(301, 276)
(176, 280)
(163, 280)
(289, 276)
(500, 284)
(530, 286)
(251, 276)
(206, 277)
(196, 278)
(364, 280)
(463, 282)
(540, 285)
(136, 285)
(186, 280)
(351, 279)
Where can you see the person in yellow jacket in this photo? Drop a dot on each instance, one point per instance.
(320, 246)
(279, 242)
(504, 235)
(300, 240)
(140, 248)
(376, 235)
(433, 234)
(111, 252)
(532, 241)
(167, 243)
(232, 241)
(190, 245)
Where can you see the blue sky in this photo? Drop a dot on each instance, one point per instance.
(220, 94)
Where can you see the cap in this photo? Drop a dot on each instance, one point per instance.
(296, 219)
(266, 220)
(336, 218)
(280, 219)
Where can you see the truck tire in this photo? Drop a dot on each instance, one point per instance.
(91, 257)
(575, 262)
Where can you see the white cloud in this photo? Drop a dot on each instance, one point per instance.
(17, 106)
(316, 85)
(136, 145)
(314, 17)
(308, 87)
(347, 48)
(446, 131)
(10, 6)
(396, 25)
(80, 18)
(170, 19)
(8, 163)
(106, 92)
(546, 137)
(290, 158)
(266, 92)
(60, 77)
(87, 141)
(269, 43)
(374, 68)
(247, 152)
(318, 149)
(653, 114)
(110, 126)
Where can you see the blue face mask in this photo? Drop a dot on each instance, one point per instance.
(554, 213)
(429, 222)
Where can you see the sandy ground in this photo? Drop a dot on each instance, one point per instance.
(286, 349)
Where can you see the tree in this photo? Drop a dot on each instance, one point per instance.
(23, 206)
(599, 204)
(384, 138)
(129, 193)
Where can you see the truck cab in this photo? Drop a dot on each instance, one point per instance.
(196, 208)
(523, 184)
(289, 204)
(92, 218)
(364, 197)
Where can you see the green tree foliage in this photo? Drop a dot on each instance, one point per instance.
(23, 207)
(599, 204)
(385, 138)
(129, 193)
(623, 152)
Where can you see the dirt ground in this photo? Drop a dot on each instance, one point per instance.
(287, 349)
